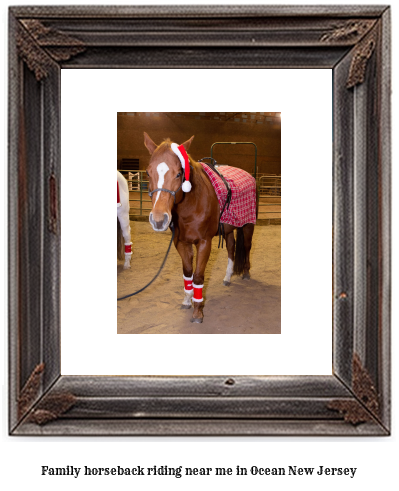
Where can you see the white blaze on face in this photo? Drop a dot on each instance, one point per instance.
(162, 169)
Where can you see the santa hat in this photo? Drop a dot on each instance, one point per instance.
(180, 151)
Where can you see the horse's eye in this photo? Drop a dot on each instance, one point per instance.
(178, 175)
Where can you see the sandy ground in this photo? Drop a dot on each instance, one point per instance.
(245, 307)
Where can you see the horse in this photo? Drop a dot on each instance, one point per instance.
(182, 194)
(124, 244)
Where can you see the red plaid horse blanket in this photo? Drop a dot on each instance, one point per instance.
(242, 207)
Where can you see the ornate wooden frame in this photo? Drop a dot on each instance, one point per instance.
(352, 41)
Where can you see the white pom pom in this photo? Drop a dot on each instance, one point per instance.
(186, 186)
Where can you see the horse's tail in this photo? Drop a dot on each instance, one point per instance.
(239, 256)
(121, 243)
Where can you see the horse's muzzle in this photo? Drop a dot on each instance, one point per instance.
(161, 225)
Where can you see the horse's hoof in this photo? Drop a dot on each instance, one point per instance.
(196, 320)
(226, 283)
(183, 306)
(246, 277)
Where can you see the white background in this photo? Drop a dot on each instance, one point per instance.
(88, 277)
(375, 458)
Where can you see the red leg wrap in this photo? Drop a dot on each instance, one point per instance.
(128, 248)
(197, 293)
(188, 284)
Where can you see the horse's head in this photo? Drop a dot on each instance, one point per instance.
(168, 173)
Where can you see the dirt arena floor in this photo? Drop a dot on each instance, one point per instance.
(244, 307)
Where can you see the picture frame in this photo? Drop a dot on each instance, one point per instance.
(352, 41)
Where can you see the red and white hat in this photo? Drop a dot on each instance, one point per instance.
(180, 151)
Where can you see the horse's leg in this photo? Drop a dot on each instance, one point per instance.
(230, 245)
(248, 231)
(203, 252)
(186, 253)
(125, 226)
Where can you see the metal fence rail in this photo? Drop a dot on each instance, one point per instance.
(138, 188)
(269, 187)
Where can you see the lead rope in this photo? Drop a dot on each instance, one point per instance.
(160, 269)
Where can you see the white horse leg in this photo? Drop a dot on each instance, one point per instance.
(230, 246)
(186, 253)
(229, 272)
(123, 216)
(187, 299)
(125, 226)
(188, 292)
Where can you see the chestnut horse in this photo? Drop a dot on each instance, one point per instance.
(124, 245)
(193, 207)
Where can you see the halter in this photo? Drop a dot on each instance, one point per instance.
(173, 193)
(181, 153)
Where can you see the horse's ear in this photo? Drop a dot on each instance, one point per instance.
(149, 143)
(187, 144)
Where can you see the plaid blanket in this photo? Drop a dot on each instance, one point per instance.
(242, 207)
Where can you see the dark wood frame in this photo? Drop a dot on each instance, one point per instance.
(353, 41)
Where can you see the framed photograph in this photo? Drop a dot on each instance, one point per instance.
(48, 44)
(241, 147)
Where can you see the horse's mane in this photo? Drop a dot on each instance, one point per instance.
(197, 176)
